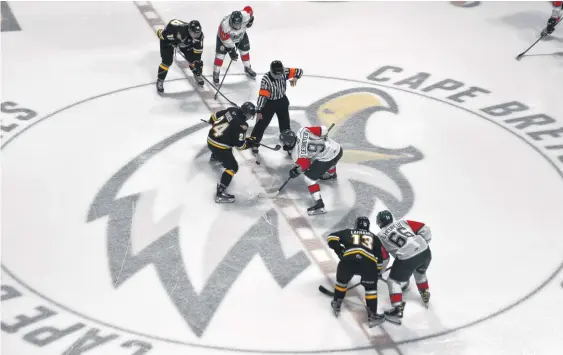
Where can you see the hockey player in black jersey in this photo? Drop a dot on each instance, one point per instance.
(188, 38)
(360, 253)
(228, 131)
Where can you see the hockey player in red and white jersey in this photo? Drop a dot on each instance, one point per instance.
(315, 155)
(232, 36)
(407, 241)
(556, 15)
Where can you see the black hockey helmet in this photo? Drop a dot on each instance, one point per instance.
(288, 138)
(249, 110)
(384, 218)
(362, 223)
(235, 21)
(194, 29)
(276, 69)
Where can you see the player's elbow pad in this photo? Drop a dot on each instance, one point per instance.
(425, 233)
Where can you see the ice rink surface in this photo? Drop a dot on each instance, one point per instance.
(112, 242)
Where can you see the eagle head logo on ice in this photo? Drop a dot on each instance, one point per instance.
(136, 240)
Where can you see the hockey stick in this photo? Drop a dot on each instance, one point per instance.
(224, 76)
(543, 34)
(210, 83)
(275, 148)
(331, 293)
(276, 192)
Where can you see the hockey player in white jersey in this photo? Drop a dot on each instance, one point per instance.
(556, 15)
(232, 36)
(407, 241)
(315, 155)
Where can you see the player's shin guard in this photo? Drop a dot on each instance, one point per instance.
(371, 303)
(245, 57)
(162, 71)
(227, 177)
(395, 292)
(340, 289)
(422, 285)
(217, 67)
(330, 174)
(315, 191)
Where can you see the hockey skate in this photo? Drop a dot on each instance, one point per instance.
(249, 72)
(425, 295)
(216, 77)
(395, 314)
(318, 208)
(336, 306)
(213, 159)
(160, 86)
(375, 319)
(199, 80)
(222, 196)
(328, 176)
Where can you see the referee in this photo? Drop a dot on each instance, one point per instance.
(272, 100)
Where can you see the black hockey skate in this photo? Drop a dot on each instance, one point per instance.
(216, 77)
(318, 208)
(213, 159)
(160, 86)
(199, 80)
(328, 176)
(222, 196)
(336, 306)
(251, 73)
(375, 319)
(395, 314)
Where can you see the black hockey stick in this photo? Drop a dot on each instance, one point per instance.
(331, 293)
(543, 34)
(275, 148)
(210, 83)
(224, 76)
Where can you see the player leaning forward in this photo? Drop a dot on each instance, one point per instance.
(360, 253)
(188, 38)
(407, 241)
(232, 36)
(229, 130)
(315, 154)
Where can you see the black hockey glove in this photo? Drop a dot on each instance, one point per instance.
(551, 25)
(233, 53)
(295, 172)
(251, 22)
(251, 142)
(196, 67)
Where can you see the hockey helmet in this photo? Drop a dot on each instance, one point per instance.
(235, 20)
(249, 110)
(194, 29)
(362, 223)
(384, 218)
(276, 69)
(288, 138)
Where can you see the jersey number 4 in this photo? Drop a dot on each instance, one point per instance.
(363, 240)
(220, 128)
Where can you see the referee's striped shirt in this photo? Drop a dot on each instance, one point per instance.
(274, 89)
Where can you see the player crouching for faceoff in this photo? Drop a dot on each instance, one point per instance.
(188, 37)
(315, 154)
(360, 253)
(229, 130)
(407, 241)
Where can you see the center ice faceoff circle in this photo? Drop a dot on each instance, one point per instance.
(128, 201)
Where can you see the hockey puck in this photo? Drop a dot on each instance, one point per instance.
(257, 162)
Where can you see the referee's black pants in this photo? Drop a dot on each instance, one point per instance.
(278, 107)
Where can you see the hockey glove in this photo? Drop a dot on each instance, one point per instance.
(551, 25)
(233, 53)
(196, 67)
(295, 172)
(251, 142)
(251, 22)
